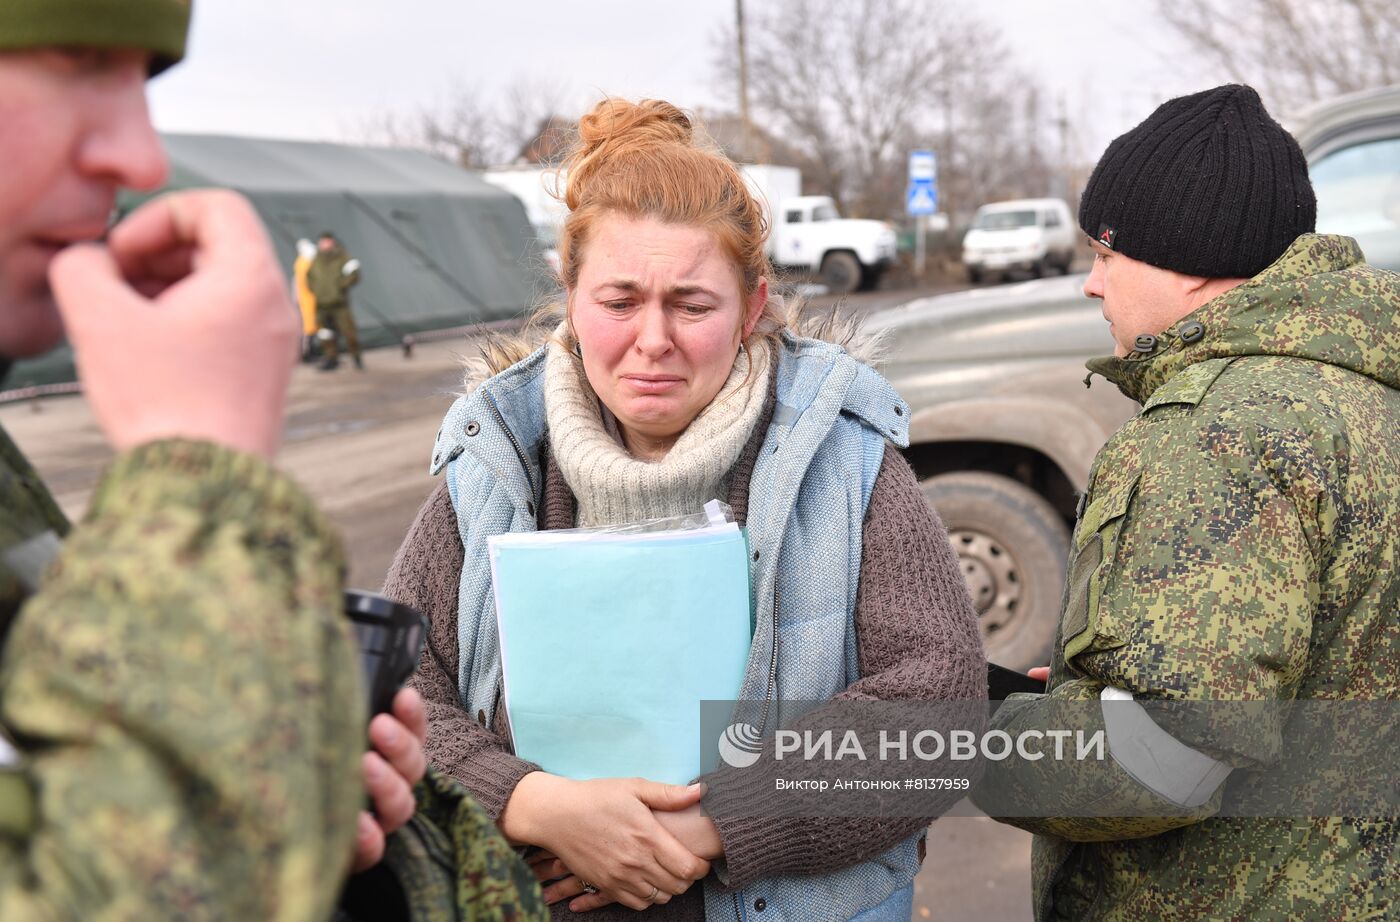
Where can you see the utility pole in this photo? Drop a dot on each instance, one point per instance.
(744, 82)
(1062, 123)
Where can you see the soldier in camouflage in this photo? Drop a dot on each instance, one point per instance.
(1239, 537)
(331, 276)
(181, 718)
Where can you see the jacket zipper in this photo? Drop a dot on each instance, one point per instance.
(514, 442)
(773, 662)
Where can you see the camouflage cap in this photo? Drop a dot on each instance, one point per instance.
(157, 26)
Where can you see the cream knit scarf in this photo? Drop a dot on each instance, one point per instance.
(611, 486)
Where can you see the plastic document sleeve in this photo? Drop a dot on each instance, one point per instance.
(609, 642)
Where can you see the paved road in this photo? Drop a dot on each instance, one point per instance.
(360, 443)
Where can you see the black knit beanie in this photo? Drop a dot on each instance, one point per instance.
(1208, 185)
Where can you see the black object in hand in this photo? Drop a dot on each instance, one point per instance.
(391, 637)
(1002, 682)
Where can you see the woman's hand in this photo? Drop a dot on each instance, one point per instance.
(693, 829)
(391, 770)
(604, 833)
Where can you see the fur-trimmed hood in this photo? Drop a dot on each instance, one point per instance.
(495, 352)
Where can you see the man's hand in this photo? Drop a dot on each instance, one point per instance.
(391, 770)
(180, 324)
(1039, 673)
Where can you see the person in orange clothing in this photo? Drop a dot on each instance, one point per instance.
(306, 301)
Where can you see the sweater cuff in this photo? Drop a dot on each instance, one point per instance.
(758, 847)
(491, 775)
(755, 846)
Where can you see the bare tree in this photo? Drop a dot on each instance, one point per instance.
(855, 84)
(527, 108)
(465, 130)
(1294, 51)
(471, 127)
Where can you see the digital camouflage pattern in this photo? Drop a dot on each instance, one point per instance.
(184, 694)
(1239, 541)
(194, 556)
(454, 865)
(31, 525)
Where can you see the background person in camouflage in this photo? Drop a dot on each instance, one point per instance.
(1239, 537)
(180, 688)
(331, 276)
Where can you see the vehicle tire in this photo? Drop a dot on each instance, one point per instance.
(870, 277)
(1012, 546)
(974, 275)
(841, 272)
(1038, 269)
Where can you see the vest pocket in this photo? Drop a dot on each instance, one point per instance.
(1096, 545)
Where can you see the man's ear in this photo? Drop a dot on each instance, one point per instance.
(754, 310)
(1193, 283)
(1192, 288)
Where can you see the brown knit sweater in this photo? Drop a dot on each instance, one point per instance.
(917, 639)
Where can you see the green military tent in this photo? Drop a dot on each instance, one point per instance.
(439, 247)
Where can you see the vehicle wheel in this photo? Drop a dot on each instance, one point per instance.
(870, 278)
(841, 273)
(1038, 269)
(974, 275)
(1012, 547)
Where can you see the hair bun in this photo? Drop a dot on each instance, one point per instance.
(619, 120)
(615, 131)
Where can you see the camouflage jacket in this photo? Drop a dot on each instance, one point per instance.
(181, 693)
(1238, 542)
(330, 284)
(450, 863)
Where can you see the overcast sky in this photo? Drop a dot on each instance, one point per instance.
(316, 69)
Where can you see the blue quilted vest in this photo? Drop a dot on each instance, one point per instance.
(810, 489)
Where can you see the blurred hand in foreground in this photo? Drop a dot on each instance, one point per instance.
(181, 324)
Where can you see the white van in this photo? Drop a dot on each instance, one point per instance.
(1031, 234)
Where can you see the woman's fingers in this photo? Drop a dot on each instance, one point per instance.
(681, 867)
(676, 867)
(628, 896)
(564, 889)
(659, 796)
(664, 880)
(621, 895)
(605, 832)
(589, 902)
(549, 869)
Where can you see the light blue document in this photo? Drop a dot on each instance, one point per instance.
(609, 642)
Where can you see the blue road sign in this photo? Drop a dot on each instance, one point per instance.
(921, 199)
(923, 166)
